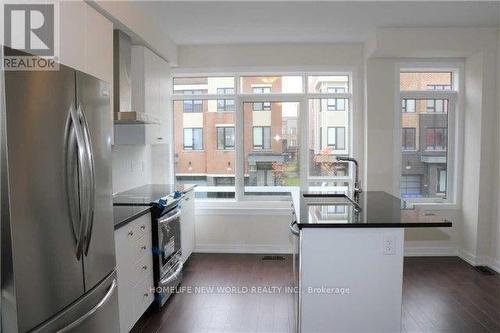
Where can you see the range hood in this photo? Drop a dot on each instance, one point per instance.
(122, 82)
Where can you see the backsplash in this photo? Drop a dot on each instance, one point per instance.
(131, 167)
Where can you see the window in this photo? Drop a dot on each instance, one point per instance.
(427, 119)
(336, 104)
(286, 84)
(261, 90)
(408, 105)
(271, 151)
(204, 141)
(336, 90)
(441, 181)
(193, 106)
(436, 138)
(411, 186)
(193, 138)
(261, 137)
(334, 84)
(426, 80)
(225, 104)
(225, 138)
(261, 106)
(336, 138)
(437, 105)
(409, 138)
(269, 142)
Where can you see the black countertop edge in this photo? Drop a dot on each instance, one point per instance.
(126, 214)
(445, 224)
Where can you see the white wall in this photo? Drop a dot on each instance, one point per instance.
(243, 233)
(131, 167)
(477, 48)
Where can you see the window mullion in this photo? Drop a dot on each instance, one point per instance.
(239, 144)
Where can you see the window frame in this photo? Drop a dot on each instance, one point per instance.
(303, 138)
(455, 118)
(403, 139)
(225, 100)
(225, 147)
(261, 147)
(336, 137)
(192, 129)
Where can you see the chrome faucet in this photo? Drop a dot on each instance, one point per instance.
(357, 184)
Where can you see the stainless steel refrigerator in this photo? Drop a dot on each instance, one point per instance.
(58, 256)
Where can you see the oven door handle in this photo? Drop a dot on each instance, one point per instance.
(171, 217)
(174, 275)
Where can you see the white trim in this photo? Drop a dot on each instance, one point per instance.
(474, 260)
(495, 265)
(456, 132)
(242, 248)
(425, 250)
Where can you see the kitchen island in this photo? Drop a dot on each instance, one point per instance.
(349, 260)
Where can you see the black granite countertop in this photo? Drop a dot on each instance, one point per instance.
(378, 210)
(125, 214)
(132, 204)
(144, 195)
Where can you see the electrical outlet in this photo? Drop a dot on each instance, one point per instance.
(389, 245)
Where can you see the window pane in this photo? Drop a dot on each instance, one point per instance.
(271, 151)
(328, 84)
(204, 85)
(426, 81)
(327, 138)
(271, 84)
(424, 145)
(206, 162)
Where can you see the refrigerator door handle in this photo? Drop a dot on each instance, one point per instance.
(75, 133)
(292, 229)
(91, 179)
(80, 320)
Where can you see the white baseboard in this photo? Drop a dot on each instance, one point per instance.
(410, 251)
(242, 248)
(479, 260)
(430, 251)
(495, 265)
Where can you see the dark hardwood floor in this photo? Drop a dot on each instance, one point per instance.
(440, 294)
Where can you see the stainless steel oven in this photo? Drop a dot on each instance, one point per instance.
(167, 254)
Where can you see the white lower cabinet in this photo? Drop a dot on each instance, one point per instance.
(187, 225)
(134, 261)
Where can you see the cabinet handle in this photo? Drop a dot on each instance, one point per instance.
(187, 198)
(159, 138)
(143, 227)
(144, 267)
(130, 233)
(146, 295)
(143, 247)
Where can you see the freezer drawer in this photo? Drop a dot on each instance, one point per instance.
(96, 311)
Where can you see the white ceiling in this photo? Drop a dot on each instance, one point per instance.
(208, 22)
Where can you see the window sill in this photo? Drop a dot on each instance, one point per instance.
(437, 205)
(233, 207)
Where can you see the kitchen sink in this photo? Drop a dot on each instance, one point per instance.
(330, 199)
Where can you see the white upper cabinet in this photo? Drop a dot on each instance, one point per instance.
(86, 40)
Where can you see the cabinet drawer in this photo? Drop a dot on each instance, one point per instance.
(144, 296)
(142, 270)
